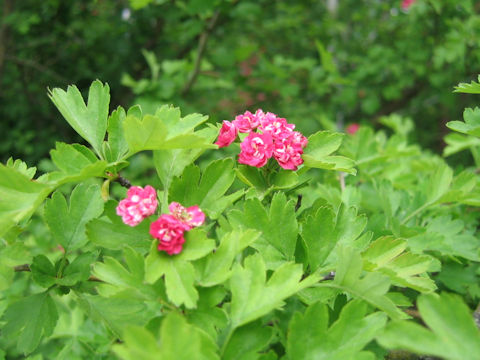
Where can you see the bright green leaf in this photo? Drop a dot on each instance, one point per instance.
(29, 320)
(89, 121)
(67, 222)
(311, 338)
(452, 333)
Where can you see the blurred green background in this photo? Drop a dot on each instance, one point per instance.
(320, 64)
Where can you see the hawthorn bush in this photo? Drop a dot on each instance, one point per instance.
(331, 246)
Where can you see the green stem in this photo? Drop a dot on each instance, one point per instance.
(62, 265)
(416, 212)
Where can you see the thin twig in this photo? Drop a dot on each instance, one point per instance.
(124, 182)
(202, 42)
(26, 267)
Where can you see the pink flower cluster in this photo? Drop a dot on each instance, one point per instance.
(169, 228)
(139, 204)
(274, 137)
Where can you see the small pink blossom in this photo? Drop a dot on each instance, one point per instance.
(352, 128)
(227, 135)
(288, 153)
(256, 149)
(246, 122)
(189, 217)
(275, 126)
(139, 204)
(407, 3)
(169, 232)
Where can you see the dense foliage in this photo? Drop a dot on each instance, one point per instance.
(368, 251)
(315, 62)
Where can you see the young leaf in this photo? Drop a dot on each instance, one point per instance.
(277, 241)
(387, 255)
(116, 235)
(216, 268)
(78, 270)
(171, 162)
(43, 271)
(89, 121)
(320, 146)
(30, 319)
(452, 333)
(19, 197)
(319, 236)
(75, 162)
(247, 341)
(115, 312)
(208, 192)
(21, 167)
(470, 125)
(117, 145)
(178, 341)
(164, 130)
(67, 222)
(178, 270)
(371, 287)
(310, 338)
(472, 88)
(253, 296)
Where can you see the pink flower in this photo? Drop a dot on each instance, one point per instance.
(277, 127)
(189, 217)
(352, 128)
(139, 204)
(227, 135)
(256, 149)
(247, 122)
(288, 153)
(298, 139)
(407, 3)
(169, 232)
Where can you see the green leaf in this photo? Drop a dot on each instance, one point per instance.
(170, 163)
(115, 312)
(320, 146)
(117, 145)
(466, 88)
(470, 125)
(216, 268)
(310, 337)
(21, 167)
(89, 121)
(19, 197)
(319, 236)
(164, 130)
(439, 183)
(247, 341)
(253, 296)
(371, 287)
(458, 142)
(43, 271)
(277, 241)
(29, 320)
(67, 222)
(208, 192)
(388, 255)
(117, 235)
(448, 237)
(451, 334)
(178, 270)
(178, 341)
(78, 270)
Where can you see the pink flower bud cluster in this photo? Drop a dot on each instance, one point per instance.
(168, 228)
(139, 204)
(274, 137)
